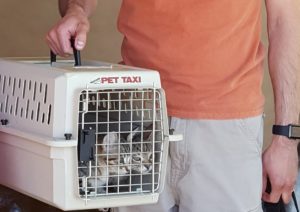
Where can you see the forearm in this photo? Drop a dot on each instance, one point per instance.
(85, 6)
(284, 58)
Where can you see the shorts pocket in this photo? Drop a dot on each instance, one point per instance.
(252, 128)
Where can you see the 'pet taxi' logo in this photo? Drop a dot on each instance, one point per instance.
(114, 80)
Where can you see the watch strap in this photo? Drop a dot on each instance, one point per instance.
(281, 130)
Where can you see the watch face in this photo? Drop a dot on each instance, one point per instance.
(295, 132)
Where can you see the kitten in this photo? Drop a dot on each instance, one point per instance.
(116, 162)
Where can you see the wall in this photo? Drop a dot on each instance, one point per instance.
(24, 25)
(267, 88)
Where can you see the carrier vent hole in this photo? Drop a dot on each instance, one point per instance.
(27, 108)
(4, 84)
(38, 112)
(34, 91)
(17, 106)
(14, 87)
(6, 104)
(32, 114)
(45, 96)
(24, 88)
(49, 114)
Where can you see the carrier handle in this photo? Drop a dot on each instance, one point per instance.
(174, 137)
(76, 54)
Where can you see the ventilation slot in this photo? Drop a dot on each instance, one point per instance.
(17, 106)
(6, 104)
(4, 82)
(34, 91)
(49, 114)
(24, 88)
(45, 96)
(38, 112)
(14, 87)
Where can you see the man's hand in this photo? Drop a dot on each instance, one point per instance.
(74, 24)
(280, 165)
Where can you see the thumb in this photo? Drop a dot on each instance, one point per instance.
(81, 36)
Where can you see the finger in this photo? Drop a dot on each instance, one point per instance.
(64, 41)
(286, 196)
(288, 189)
(275, 194)
(52, 48)
(287, 192)
(81, 36)
(54, 42)
(51, 45)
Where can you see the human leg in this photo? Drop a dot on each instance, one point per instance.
(222, 166)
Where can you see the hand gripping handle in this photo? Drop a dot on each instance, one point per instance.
(76, 54)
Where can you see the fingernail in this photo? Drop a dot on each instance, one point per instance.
(79, 44)
(67, 55)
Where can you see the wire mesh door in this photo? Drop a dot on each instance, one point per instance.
(120, 142)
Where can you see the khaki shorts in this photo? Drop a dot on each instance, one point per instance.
(216, 168)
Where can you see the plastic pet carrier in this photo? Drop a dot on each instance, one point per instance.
(82, 137)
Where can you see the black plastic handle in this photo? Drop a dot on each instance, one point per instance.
(76, 53)
(52, 57)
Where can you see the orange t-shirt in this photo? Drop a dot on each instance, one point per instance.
(208, 53)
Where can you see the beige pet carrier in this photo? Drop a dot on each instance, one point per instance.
(91, 136)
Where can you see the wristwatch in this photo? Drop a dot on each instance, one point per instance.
(291, 131)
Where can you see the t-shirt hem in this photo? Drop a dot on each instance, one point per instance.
(214, 115)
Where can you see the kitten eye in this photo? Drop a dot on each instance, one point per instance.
(136, 158)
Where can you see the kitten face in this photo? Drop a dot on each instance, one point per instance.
(142, 162)
(134, 154)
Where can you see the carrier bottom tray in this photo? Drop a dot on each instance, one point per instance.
(47, 170)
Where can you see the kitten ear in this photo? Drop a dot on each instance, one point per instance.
(109, 142)
(148, 135)
(135, 132)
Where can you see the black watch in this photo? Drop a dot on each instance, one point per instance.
(291, 131)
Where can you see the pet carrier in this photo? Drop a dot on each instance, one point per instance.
(82, 137)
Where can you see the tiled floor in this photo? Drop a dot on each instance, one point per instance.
(12, 201)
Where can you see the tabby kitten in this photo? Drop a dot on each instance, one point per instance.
(117, 159)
